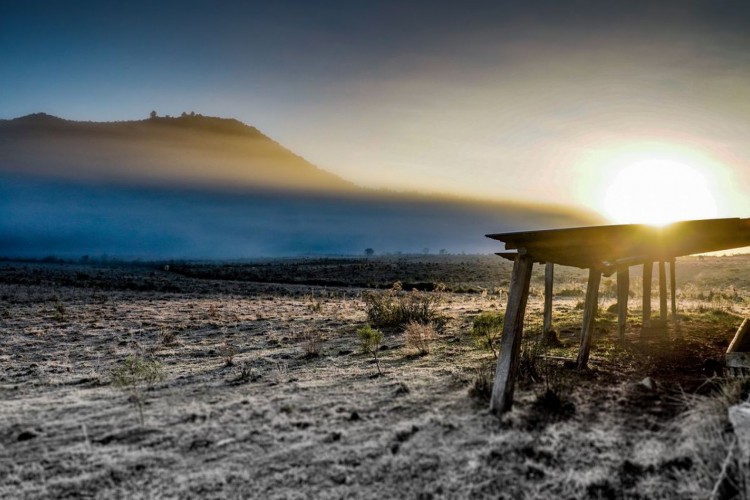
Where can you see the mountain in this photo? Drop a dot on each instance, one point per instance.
(200, 187)
(188, 150)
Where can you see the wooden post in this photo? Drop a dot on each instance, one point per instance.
(662, 292)
(589, 315)
(549, 276)
(673, 287)
(510, 343)
(623, 291)
(647, 269)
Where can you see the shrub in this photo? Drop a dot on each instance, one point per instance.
(484, 378)
(59, 312)
(419, 336)
(571, 292)
(395, 308)
(168, 338)
(370, 340)
(311, 340)
(134, 376)
(553, 403)
(530, 367)
(486, 330)
(314, 304)
(247, 373)
(228, 351)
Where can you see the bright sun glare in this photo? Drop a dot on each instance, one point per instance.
(658, 192)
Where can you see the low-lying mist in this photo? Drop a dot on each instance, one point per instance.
(43, 217)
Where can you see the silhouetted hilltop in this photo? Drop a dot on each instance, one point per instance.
(38, 120)
(185, 150)
(195, 122)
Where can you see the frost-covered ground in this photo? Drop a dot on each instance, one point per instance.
(244, 412)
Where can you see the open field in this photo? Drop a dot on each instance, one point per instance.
(265, 393)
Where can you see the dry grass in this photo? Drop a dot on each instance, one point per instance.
(703, 435)
(419, 336)
(311, 341)
(280, 424)
(396, 308)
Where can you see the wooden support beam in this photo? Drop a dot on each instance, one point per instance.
(589, 315)
(673, 287)
(623, 292)
(648, 268)
(549, 277)
(662, 292)
(510, 343)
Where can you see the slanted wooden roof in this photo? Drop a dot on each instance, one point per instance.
(610, 247)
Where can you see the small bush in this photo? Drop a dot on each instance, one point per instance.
(553, 403)
(370, 340)
(168, 338)
(530, 367)
(314, 304)
(279, 372)
(246, 374)
(135, 376)
(228, 351)
(59, 312)
(552, 406)
(486, 330)
(419, 336)
(395, 308)
(571, 292)
(481, 385)
(311, 340)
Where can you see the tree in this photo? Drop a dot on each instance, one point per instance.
(153, 115)
(369, 252)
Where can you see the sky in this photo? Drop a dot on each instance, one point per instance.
(531, 101)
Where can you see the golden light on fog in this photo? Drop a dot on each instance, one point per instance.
(659, 191)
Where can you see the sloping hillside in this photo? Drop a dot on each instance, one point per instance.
(188, 150)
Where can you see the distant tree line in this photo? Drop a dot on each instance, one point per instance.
(154, 115)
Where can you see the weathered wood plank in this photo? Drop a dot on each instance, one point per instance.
(605, 245)
(510, 343)
(549, 278)
(648, 268)
(589, 315)
(662, 291)
(623, 291)
(741, 340)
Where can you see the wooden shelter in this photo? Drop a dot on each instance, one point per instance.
(602, 250)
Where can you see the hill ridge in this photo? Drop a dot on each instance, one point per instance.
(213, 150)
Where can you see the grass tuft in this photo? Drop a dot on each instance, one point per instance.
(395, 308)
(419, 336)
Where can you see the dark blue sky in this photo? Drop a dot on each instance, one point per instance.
(494, 99)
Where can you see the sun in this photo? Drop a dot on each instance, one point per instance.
(657, 192)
